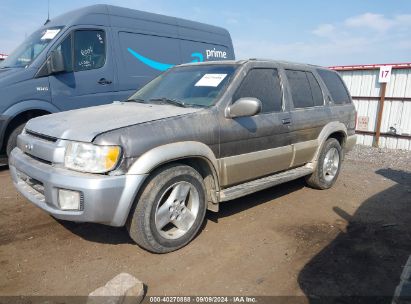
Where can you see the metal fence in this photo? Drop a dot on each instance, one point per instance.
(384, 114)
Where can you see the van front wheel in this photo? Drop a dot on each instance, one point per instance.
(170, 209)
(12, 140)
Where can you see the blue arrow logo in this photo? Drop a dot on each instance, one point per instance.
(198, 57)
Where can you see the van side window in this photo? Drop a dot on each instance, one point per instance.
(335, 86)
(265, 85)
(65, 49)
(89, 49)
(300, 89)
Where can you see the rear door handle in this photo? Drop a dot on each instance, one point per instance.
(104, 81)
(286, 121)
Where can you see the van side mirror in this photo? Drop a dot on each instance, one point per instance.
(55, 62)
(244, 107)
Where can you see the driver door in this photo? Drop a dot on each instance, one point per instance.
(89, 78)
(256, 146)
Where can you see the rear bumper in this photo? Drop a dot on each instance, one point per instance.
(105, 199)
(350, 142)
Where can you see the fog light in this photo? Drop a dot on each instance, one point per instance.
(69, 200)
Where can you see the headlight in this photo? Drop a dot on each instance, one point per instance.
(91, 158)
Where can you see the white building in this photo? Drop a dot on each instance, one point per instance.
(365, 88)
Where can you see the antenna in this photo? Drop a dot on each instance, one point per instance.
(48, 12)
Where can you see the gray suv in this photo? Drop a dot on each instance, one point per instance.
(194, 137)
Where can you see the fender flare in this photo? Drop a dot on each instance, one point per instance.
(328, 129)
(27, 105)
(172, 152)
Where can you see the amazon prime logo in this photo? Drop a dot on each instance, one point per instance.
(160, 66)
(216, 54)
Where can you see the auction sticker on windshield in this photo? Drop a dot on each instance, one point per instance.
(50, 34)
(210, 80)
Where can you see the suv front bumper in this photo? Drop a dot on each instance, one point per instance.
(105, 199)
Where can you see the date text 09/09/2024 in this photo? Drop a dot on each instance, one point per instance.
(203, 299)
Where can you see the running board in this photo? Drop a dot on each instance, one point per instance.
(263, 183)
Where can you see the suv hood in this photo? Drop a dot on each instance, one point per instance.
(85, 124)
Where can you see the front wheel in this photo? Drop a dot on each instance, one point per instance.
(170, 209)
(328, 165)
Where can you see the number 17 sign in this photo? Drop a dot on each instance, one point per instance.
(385, 74)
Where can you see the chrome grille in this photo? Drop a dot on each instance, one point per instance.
(41, 136)
(50, 151)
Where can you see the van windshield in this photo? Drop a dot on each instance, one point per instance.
(190, 86)
(30, 48)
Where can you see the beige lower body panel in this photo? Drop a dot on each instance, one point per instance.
(303, 152)
(240, 168)
(249, 166)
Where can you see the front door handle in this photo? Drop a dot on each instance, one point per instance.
(104, 81)
(286, 121)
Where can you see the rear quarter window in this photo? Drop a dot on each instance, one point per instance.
(335, 86)
(305, 90)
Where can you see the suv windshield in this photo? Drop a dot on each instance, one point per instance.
(187, 86)
(30, 48)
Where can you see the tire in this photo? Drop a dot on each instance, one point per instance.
(12, 140)
(328, 166)
(170, 209)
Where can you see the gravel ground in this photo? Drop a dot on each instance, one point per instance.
(289, 240)
(398, 159)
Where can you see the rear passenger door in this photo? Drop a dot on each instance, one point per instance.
(308, 114)
(252, 147)
(342, 109)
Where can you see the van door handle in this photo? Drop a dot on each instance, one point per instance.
(104, 81)
(286, 121)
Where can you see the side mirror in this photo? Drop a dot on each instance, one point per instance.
(55, 62)
(243, 107)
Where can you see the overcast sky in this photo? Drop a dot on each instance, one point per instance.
(318, 32)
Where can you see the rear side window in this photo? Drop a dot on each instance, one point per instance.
(305, 90)
(316, 92)
(335, 86)
(263, 84)
(89, 49)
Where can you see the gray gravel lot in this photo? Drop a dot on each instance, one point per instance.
(352, 239)
(399, 159)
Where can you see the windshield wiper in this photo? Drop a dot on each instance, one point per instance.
(140, 100)
(175, 102)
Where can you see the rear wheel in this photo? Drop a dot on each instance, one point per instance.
(170, 210)
(328, 166)
(12, 140)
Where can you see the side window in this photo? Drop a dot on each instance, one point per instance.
(316, 92)
(300, 89)
(65, 49)
(263, 84)
(335, 85)
(89, 49)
